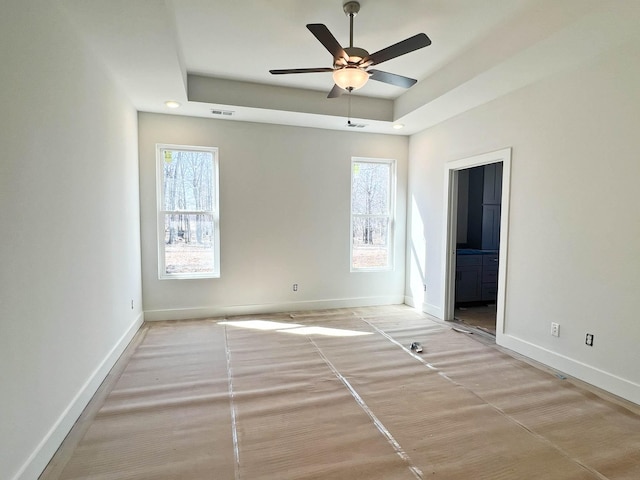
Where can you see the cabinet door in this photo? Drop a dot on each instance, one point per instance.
(490, 227)
(489, 277)
(474, 207)
(492, 189)
(490, 274)
(462, 259)
(489, 292)
(468, 283)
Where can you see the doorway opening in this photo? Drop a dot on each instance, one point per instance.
(477, 206)
(478, 245)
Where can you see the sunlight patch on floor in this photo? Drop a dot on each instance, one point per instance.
(293, 328)
(331, 332)
(261, 324)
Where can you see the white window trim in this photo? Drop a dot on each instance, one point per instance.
(215, 213)
(392, 209)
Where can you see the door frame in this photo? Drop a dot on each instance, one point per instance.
(450, 230)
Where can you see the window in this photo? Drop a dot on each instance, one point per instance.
(188, 223)
(372, 196)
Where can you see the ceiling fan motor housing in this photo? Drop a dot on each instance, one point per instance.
(355, 56)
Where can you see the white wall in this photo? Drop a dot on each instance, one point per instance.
(70, 255)
(284, 216)
(575, 215)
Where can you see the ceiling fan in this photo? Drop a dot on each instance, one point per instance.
(351, 65)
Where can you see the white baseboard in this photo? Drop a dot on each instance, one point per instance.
(433, 310)
(427, 308)
(229, 310)
(606, 381)
(408, 300)
(43, 453)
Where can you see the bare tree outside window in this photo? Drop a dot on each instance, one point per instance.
(188, 212)
(371, 204)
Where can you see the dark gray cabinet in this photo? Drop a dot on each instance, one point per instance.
(474, 207)
(482, 206)
(491, 199)
(468, 278)
(476, 277)
(489, 287)
(490, 227)
(492, 184)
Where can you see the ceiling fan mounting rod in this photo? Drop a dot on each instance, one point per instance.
(351, 31)
(351, 9)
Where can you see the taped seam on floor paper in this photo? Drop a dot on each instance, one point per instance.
(394, 443)
(495, 407)
(232, 406)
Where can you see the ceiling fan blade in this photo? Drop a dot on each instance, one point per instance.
(326, 38)
(300, 70)
(392, 78)
(335, 92)
(405, 46)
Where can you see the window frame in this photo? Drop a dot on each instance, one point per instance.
(161, 212)
(390, 214)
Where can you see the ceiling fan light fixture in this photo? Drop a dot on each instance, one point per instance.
(350, 78)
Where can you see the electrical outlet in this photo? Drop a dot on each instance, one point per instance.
(295, 287)
(132, 304)
(424, 287)
(589, 339)
(555, 329)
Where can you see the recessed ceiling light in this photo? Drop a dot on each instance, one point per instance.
(172, 104)
(398, 126)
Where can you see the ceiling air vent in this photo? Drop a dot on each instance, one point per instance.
(226, 113)
(355, 125)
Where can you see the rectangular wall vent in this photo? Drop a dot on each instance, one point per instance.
(356, 125)
(227, 113)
